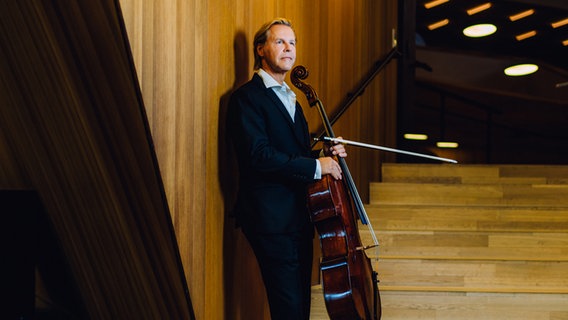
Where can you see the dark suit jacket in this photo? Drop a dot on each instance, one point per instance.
(275, 160)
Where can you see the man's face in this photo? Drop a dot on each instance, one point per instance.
(279, 52)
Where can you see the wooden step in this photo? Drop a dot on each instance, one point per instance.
(473, 306)
(435, 173)
(459, 306)
(467, 218)
(404, 305)
(468, 242)
(546, 195)
(472, 239)
(473, 276)
(548, 171)
(469, 253)
(468, 245)
(456, 173)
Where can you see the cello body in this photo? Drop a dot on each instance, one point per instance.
(350, 285)
(348, 280)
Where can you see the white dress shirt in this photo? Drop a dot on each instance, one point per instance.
(288, 98)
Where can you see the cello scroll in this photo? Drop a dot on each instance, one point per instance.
(301, 73)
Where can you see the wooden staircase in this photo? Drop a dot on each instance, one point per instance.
(470, 241)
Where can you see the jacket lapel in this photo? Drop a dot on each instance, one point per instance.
(299, 126)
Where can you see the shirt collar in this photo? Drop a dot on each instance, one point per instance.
(270, 82)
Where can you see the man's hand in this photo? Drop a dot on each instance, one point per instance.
(328, 163)
(335, 150)
(330, 166)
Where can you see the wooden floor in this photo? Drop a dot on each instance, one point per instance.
(469, 242)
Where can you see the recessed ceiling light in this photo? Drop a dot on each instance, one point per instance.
(480, 30)
(438, 24)
(521, 69)
(447, 144)
(478, 9)
(521, 15)
(415, 136)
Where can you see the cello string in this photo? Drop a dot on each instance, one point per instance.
(350, 182)
(360, 207)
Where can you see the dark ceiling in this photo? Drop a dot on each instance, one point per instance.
(479, 62)
(545, 46)
(472, 68)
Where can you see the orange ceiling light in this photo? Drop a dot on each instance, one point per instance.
(560, 23)
(525, 35)
(521, 15)
(435, 3)
(438, 24)
(565, 42)
(479, 8)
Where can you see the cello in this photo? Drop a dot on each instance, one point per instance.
(350, 285)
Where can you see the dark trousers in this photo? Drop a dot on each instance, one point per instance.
(285, 261)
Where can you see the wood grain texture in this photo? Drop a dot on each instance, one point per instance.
(470, 241)
(74, 129)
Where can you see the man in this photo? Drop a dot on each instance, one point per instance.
(271, 138)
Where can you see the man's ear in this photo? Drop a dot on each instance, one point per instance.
(259, 50)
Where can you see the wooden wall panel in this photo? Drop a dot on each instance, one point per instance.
(190, 55)
(73, 129)
(11, 176)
